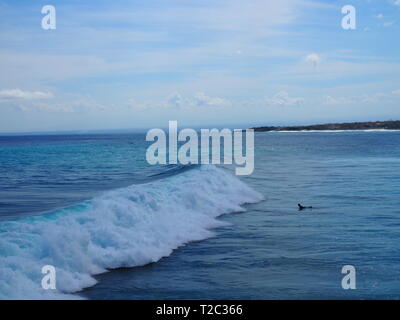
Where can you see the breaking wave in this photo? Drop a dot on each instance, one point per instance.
(125, 227)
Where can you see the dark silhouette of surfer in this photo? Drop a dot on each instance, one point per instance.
(301, 207)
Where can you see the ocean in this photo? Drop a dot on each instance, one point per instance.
(115, 227)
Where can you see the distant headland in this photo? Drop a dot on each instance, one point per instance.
(388, 125)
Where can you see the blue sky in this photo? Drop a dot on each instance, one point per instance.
(137, 64)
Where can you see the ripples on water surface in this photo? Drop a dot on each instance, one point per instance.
(271, 251)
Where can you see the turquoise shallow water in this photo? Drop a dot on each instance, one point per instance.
(270, 251)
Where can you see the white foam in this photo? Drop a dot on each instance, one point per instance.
(126, 227)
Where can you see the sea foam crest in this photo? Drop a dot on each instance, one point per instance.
(125, 227)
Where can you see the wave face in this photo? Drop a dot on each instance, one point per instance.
(125, 227)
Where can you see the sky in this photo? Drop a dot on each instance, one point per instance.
(138, 64)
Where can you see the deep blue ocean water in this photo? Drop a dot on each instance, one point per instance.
(87, 203)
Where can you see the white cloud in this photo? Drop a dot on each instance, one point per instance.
(38, 101)
(97, 51)
(18, 94)
(361, 99)
(388, 24)
(44, 107)
(201, 99)
(331, 100)
(176, 100)
(282, 98)
(214, 15)
(314, 59)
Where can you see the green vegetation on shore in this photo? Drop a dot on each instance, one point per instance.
(389, 125)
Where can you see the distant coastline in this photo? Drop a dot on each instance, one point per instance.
(374, 125)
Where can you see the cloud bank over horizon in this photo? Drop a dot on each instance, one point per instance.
(131, 64)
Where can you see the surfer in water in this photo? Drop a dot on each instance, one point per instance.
(301, 207)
